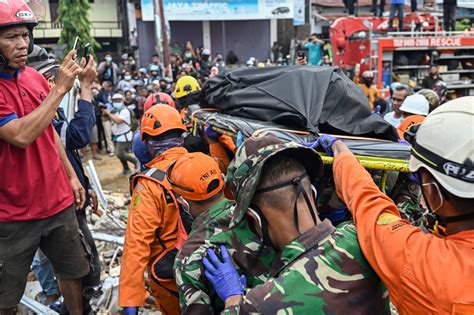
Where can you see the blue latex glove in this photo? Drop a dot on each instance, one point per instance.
(324, 141)
(222, 275)
(211, 134)
(130, 310)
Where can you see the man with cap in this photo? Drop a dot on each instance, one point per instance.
(121, 118)
(38, 185)
(425, 274)
(153, 219)
(318, 268)
(212, 214)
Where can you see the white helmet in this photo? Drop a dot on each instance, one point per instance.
(444, 146)
(415, 104)
(117, 97)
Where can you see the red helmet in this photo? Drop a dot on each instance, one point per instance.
(158, 98)
(17, 13)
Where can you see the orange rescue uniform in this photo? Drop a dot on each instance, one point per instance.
(149, 214)
(425, 274)
(371, 92)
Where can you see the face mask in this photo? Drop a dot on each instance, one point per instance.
(108, 59)
(163, 87)
(156, 148)
(117, 105)
(127, 77)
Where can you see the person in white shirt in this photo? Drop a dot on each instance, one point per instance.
(122, 132)
(400, 93)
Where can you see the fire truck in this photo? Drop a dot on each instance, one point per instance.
(405, 56)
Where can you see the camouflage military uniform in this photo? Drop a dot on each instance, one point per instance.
(211, 229)
(321, 271)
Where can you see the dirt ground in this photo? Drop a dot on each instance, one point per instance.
(109, 169)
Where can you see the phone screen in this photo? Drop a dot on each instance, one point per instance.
(87, 52)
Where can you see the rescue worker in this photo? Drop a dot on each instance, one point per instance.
(186, 93)
(38, 184)
(187, 98)
(368, 87)
(212, 214)
(152, 226)
(425, 273)
(415, 104)
(138, 146)
(318, 268)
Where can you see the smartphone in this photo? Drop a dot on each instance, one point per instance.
(87, 52)
(301, 54)
(76, 44)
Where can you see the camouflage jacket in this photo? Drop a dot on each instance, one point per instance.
(323, 271)
(210, 230)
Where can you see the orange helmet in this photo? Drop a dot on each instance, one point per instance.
(160, 119)
(195, 176)
(408, 122)
(158, 98)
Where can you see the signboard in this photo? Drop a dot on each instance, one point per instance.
(427, 42)
(225, 10)
(148, 10)
(299, 12)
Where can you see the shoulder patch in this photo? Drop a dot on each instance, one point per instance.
(387, 218)
(136, 200)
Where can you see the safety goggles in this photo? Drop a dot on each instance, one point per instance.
(433, 189)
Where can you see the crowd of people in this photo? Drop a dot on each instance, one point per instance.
(218, 225)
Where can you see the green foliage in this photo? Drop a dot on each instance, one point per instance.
(74, 17)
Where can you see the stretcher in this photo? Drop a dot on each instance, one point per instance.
(373, 154)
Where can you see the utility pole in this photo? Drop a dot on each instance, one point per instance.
(159, 11)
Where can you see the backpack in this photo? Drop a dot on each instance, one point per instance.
(162, 267)
(133, 120)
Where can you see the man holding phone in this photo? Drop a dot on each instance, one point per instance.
(39, 188)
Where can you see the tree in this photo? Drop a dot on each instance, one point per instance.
(73, 15)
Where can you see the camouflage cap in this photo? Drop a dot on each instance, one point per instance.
(243, 174)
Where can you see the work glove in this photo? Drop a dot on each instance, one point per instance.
(210, 133)
(130, 310)
(324, 141)
(222, 275)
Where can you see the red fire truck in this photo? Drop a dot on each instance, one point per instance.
(405, 56)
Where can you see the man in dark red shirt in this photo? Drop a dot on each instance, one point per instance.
(38, 186)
